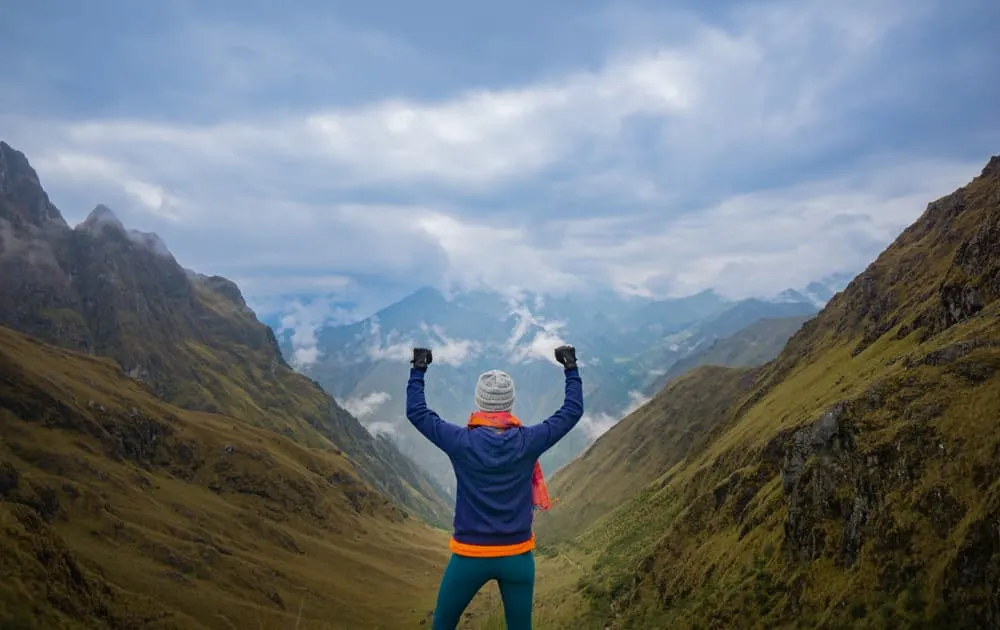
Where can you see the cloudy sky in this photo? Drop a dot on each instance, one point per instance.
(349, 151)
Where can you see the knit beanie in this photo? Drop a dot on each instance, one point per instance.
(495, 391)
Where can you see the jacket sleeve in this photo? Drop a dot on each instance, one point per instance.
(444, 435)
(543, 436)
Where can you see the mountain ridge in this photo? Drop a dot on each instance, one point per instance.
(190, 338)
(120, 510)
(854, 483)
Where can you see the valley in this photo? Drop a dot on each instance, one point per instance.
(780, 462)
(763, 236)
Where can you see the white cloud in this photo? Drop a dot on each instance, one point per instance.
(544, 336)
(304, 319)
(389, 347)
(667, 163)
(636, 399)
(78, 168)
(482, 137)
(449, 351)
(381, 428)
(398, 346)
(596, 425)
(363, 406)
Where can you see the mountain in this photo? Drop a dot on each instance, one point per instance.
(753, 345)
(119, 510)
(625, 343)
(160, 463)
(191, 339)
(822, 291)
(640, 448)
(850, 482)
(690, 394)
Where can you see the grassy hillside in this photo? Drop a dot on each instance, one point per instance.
(640, 448)
(120, 510)
(645, 444)
(855, 484)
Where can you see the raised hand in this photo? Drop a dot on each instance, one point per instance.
(422, 357)
(566, 355)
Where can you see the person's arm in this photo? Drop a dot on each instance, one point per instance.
(444, 435)
(543, 436)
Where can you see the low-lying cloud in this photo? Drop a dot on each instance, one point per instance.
(362, 407)
(394, 345)
(381, 428)
(533, 337)
(596, 425)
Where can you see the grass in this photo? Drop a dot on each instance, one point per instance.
(128, 510)
(641, 447)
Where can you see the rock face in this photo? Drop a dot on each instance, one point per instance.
(25, 204)
(109, 291)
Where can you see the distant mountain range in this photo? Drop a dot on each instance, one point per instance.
(626, 344)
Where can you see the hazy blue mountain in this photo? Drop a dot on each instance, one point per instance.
(626, 345)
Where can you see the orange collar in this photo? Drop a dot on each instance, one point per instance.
(495, 419)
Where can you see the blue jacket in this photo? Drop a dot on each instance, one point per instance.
(493, 469)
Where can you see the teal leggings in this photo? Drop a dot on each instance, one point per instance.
(465, 576)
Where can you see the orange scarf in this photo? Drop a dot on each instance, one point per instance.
(505, 420)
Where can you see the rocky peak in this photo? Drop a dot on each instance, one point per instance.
(103, 221)
(22, 190)
(100, 219)
(226, 288)
(992, 168)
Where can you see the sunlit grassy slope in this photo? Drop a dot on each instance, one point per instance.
(854, 483)
(119, 510)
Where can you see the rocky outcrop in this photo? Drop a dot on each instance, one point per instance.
(23, 203)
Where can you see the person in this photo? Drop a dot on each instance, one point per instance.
(499, 487)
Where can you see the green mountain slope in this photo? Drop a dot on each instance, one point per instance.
(645, 444)
(855, 483)
(191, 339)
(640, 448)
(118, 510)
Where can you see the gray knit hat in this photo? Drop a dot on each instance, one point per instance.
(495, 391)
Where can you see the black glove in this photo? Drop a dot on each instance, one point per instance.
(422, 357)
(567, 356)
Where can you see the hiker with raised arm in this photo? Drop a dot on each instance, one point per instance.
(500, 484)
